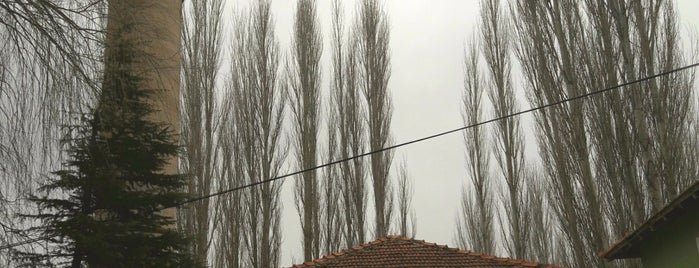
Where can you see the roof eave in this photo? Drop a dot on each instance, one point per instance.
(627, 246)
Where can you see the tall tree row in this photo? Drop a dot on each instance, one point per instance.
(250, 142)
(618, 170)
(605, 161)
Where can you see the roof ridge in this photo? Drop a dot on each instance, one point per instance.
(334, 256)
(470, 253)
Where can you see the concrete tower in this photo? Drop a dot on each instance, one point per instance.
(156, 29)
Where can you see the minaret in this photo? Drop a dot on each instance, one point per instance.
(157, 32)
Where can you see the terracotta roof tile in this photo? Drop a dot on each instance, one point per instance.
(397, 251)
(516, 261)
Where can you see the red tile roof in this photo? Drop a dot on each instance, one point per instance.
(397, 251)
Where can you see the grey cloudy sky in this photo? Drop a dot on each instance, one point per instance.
(427, 43)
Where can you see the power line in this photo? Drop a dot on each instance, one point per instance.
(582, 96)
(441, 134)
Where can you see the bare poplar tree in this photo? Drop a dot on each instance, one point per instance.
(562, 140)
(475, 221)
(660, 114)
(406, 225)
(372, 33)
(304, 97)
(350, 131)
(508, 146)
(200, 118)
(258, 106)
(332, 183)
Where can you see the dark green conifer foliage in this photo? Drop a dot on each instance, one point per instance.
(100, 210)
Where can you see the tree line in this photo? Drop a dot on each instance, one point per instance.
(605, 164)
(235, 132)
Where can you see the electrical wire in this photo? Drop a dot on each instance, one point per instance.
(582, 96)
(440, 134)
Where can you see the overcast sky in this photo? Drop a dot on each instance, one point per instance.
(427, 43)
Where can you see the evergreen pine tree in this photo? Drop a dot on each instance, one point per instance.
(101, 210)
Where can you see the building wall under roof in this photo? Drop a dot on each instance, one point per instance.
(673, 245)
